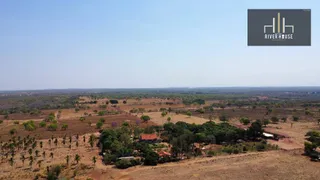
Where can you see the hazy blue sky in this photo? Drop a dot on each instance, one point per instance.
(146, 43)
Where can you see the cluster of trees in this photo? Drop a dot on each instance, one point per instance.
(188, 101)
(314, 142)
(116, 143)
(35, 103)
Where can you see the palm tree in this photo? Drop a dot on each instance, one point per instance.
(31, 161)
(11, 161)
(94, 160)
(44, 154)
(34, 145)
(39, 163)
(77, 158)
(30, 151)
(51, 155)
(41, 144)
(67, 159)
(91, 140)
(56, 142)
(49, 141)
(37, 153)
(23, 158)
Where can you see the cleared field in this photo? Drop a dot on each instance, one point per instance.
(158, 119)
(266, 165)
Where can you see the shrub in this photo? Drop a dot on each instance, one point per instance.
(53, 127)
(201, 110)
(16, 122)
(42, 124)
(284, 119)
(274, 119)
(112, 101)
(29, 125)
(102, 120)
(101, 113)
(295, 118)
(64, 127)
(223, 118)
(82, 119)
(123, 164)
(54, 172)
(99, 124)
(109, 158)
(1, 121)
(210, 153)
(13, 131)
(189, 113)
(164, 113)
(145, 118)
(266, 122)
(244, 120)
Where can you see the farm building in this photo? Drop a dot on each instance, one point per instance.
(148, 138)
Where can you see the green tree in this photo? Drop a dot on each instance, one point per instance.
(145, 118)
(151, 158)
(255, 130)
(244, 120)
(189, 113)
(64, 127)
(169, 119)
(99, 124)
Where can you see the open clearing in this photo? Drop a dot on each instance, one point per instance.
(158, 119)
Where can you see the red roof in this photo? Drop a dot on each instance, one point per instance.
(164, 153)
(148, 136)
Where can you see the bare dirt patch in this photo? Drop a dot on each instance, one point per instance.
(266, 165)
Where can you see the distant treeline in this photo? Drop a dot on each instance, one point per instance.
(31, 104)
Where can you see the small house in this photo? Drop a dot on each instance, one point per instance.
(148, 138)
